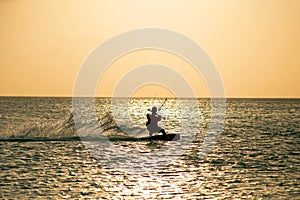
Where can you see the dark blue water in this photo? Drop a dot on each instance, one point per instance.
(256, 156)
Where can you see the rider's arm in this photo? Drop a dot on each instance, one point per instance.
(149, 120)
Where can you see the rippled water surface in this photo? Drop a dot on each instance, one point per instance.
(257, 154)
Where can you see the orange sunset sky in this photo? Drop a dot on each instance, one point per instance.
(255, 44)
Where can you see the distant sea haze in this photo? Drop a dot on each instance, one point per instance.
(256, 156)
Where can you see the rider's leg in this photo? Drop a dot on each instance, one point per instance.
(163, 132)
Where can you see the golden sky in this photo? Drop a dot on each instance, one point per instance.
(255, 44)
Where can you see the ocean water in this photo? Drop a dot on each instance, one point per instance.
(50, 151)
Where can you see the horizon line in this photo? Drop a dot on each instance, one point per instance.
(201, 97)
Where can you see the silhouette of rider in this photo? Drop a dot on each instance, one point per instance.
(151, 124)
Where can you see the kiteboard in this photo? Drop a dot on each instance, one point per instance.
(170, 137)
